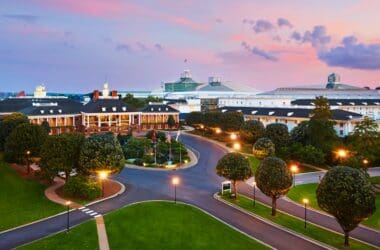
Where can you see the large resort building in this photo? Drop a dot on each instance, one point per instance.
(106, 112)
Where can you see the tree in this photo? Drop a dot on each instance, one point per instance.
(9, 123)
(299, 133)
(194, 118)
(278, 134)
(251, 131)
(322, 108)
(347, 194)
(46, 126)
(235, 167)
(160, 136)
(101, 152)
(136, 148)
(171, 121)
(274, 179)
(25, 137)
(263, 147)
(61, 153)
(231, 121)
(365, 140)
(212, 119)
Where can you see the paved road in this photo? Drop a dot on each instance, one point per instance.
(197, 186)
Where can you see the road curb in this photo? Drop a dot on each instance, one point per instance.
(318, 243)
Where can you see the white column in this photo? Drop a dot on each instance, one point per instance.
(109, 121)
(98, 116)
(56, 121)
(139, 119)
(130, 119)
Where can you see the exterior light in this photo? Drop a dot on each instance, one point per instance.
(218, 130)
(305, 202)
(175, 182)
(294, 170)
(28, 152)
(342, 153)
(202, 126)
(237, 146)
(233, 136)
(103, 176)
(365, 161)
(254, 193)
(186, 161)
(68, 203)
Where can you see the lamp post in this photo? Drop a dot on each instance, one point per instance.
(233, 136)
(305, 202)
(175, 182)
(236, 146)
(294, 170)
(68, 203)
(254, 193)
(365, 163)
(27, 161)
(103, 176)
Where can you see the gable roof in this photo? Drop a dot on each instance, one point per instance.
(107, 106)
(339, 102)
(158, 108)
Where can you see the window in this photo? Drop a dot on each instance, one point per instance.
(104, 109)
(341, 132)
(113, 108)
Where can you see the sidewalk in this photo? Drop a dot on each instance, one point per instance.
(52, 195)
(102, 233)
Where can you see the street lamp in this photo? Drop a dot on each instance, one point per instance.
(27, 161)
(218, 130)
(341, 154)
(294, 170)
(233, 136)
(305, 202)
(103, 176)
(254, 193)
(175, 182)
(68, 203)
(236, 146)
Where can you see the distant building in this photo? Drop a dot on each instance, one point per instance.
(185, 83)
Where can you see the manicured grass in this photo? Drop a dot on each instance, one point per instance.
(375, 180)
(299, 192)
(83, 236)
(254, 162)
(297, 225)
(22, 201)
(165, 225)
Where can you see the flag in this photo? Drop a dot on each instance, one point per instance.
(154, 136)
(168, 137)
(178, 134)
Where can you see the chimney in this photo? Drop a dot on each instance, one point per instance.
(21, 93)
(114, 93)
(95, 95)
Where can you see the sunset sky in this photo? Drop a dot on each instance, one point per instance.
(73, 46)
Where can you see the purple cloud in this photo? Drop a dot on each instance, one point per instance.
(296, 36)
(158, 47)
(21, 17)
(142, 46)
(353, 55)
(262, 25)
(282, 22)
(123, 47)
(259, 52)
(318, 37)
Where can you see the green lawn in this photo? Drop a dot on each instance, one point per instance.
(375, 180)
(22, 201)
(295, 224)
(153, 225)
(254, 162)
(165, 225)
(81, 237)
(299, 192)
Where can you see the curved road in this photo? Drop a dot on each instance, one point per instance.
(197, 186)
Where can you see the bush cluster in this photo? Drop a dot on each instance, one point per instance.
(82, 188)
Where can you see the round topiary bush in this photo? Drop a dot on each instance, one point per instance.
(263, 147)
(82, 188)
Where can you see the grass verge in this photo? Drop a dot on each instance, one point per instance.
(21, 200)
(299, 192)
(295, 224)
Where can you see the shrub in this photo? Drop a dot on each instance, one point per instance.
(83, 188)
(148, 159)
(160, 136)
(278, 133)
(252, 130)
(138, 162)
(263, 147)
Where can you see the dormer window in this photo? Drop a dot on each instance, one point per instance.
(224, 110)
(352, 103)
(113, 108)
(159, 109)
(271, 113)
(42, 111)
(167, 109)
(364, 103)
(104, 109)
(339, 103)
(124, 108)
(254, 112)
(60, 111)
(51, 111)
(151, 109)
(290, 113)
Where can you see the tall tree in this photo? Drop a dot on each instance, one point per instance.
(274, 179)
(101, 152)
(263, 147)
(46, 126)
(347, 194)
(61, 153)
(251, 131)
(231, 121)
(194, 118)
(9, 123)
(25, 137)
(322, 108)
(278, 134)
(171, 121)
(235, 167)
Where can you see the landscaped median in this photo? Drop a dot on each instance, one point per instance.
(308, 191)
(153, 225)
(292, 223)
